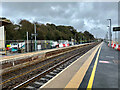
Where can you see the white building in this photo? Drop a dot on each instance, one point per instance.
(3, 22)
(2, 37)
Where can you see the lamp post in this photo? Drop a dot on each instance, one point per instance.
(35, 35)
(110, 34)
(75, 38)
(31, 42)
(107, 37)
(27, 43)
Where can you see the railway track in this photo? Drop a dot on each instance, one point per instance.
(42, 72)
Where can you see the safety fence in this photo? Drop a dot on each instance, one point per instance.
(29, 46)
(115, 46)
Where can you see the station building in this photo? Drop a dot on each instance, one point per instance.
(3, 22)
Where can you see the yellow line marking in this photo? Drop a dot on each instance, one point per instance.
(93, 72)
(78, 77)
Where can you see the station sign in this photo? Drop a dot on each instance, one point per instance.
(35, 34)
(116, 28)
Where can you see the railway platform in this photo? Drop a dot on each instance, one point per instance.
(98, 68)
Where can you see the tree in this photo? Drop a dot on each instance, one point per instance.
(88, 36)
(45, 32)
(26, 26)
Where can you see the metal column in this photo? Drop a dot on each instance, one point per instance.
(110, 34)
(35, 36)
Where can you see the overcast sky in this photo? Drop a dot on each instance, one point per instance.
(82, 16)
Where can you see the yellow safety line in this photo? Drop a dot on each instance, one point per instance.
(93, 72)
(78, 77)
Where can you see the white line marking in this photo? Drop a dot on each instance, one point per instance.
(110, 56)
(104, 62)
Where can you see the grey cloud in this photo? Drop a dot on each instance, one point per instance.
(83, 16)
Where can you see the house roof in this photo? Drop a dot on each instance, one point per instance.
(4, 21)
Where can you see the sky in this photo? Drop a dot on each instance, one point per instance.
(90, 16)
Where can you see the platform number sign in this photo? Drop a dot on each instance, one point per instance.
(116, 28)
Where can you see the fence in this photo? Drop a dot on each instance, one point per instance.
(41, 44)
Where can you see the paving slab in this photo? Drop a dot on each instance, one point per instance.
(107, 69)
